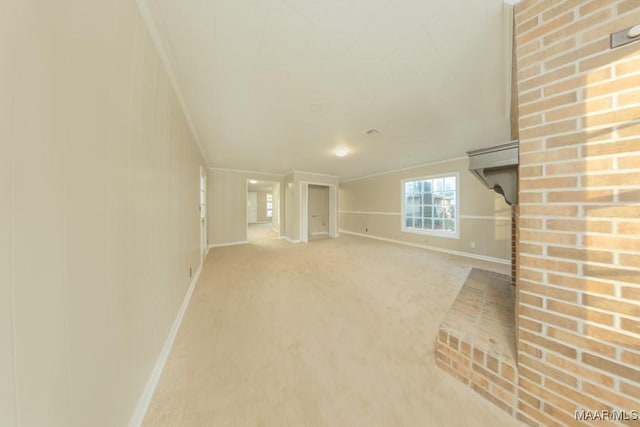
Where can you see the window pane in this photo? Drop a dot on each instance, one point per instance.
(436, 207)
(410, 205)
(450, 183)
(408, 188)
(429, 204)
(411, 209)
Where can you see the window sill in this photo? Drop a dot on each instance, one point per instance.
(431, 233)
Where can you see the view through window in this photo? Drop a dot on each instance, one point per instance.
(430, 205)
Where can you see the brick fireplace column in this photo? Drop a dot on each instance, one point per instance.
(578, 275)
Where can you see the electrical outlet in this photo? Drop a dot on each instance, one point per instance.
(472, 245)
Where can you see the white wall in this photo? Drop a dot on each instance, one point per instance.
(99, 211)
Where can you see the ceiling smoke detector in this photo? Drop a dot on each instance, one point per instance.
(372, 132)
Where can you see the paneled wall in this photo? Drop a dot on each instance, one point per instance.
(99, 229)
(227, 204)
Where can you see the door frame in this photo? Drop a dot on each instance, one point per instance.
(204, 238)
(304, 209)
(275, 186)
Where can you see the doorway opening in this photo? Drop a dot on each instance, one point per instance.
(318, 212)
(263, 210)
(318, 208)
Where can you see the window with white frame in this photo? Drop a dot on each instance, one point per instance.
(430, 205)
(269, 205)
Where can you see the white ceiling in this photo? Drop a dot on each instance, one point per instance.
(432, 75)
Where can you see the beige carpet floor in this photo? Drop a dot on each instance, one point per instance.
(337, 332)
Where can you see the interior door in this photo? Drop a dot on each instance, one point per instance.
(252, 207)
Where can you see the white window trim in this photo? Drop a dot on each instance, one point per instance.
(447, 235)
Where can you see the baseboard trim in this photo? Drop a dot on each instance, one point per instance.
(433, 248)
(288, 239)
(220, 245)
(370, 213)
(145, 399)
(320, 233)
(487, 218)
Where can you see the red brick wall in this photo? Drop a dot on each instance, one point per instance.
(579, 224)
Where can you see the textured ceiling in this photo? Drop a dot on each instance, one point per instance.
(274, 85)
